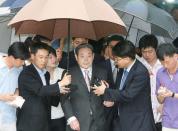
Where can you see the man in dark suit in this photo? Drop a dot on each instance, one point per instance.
(76, 41)
(84, 110)
(112, 72)
(133, 93)
(109, 63)
(35, 89)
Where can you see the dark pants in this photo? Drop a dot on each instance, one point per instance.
(111, 114)
(158, 126)
(58, 124)
(116, 124)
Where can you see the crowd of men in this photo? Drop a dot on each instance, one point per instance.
(117, 90)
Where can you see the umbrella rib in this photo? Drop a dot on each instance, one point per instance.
(54, 28)
(68, 44)
(129, 27)
(94, 30)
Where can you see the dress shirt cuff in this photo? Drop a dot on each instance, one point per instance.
(71, 119)
(18, 102)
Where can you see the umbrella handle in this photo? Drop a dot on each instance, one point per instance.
(129, 28)
(68, 45)
(19, 38)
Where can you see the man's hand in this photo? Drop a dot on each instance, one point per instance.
(160, 109)
(64, 89)
(108, 103)
(66, 80)
(18, 102)
(7, 97)
(164, 92)
(99, 90)
(74, 125)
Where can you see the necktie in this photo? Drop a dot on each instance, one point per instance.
(42, 76)
(114, 73)
(87, 79)
(124, 76)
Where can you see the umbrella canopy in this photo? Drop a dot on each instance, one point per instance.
(91, 19)
(136, 34)
(144, 16)
(163, 19)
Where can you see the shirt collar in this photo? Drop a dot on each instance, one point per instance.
(112, 64)
(40, 71)
(158, 63)
(165, 70)
(130, 66)
(89, 69)
(2, 62)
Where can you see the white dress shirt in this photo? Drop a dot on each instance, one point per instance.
(153, 71)
(90, 72)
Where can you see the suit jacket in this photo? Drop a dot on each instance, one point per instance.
(111, 112)
(107, 65)
(134, 100)
(35, 112)
(84, 105)
(72, 61)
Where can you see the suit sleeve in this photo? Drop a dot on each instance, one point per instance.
(137, 84)
(66, 105)
(28, 82)
(65, 102)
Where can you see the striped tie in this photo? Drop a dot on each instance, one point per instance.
(124, 76)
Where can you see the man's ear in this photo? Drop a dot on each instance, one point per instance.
(32, 56)
(175, 56)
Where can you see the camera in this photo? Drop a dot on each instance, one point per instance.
(96, 81)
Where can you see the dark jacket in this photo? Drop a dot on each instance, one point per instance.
(84, 105)
(35, 113)
(134, 101)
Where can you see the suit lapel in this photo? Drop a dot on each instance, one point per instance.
(130, 75)
(119, 77)
(110, 70)
(47, 78)
(33, 69)
(94, 73)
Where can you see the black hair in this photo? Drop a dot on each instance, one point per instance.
(124, 49)
(147, 41)
(52, 51)
(39, 38)
(166, 49)
(114, 38)
(19, 51)
(81, 46)
(175, 43)
(37, 46)
(28, 42)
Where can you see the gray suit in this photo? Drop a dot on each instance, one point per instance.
(84, 105)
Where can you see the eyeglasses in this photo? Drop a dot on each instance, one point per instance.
(117, 59)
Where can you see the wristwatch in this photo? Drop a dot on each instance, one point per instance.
(173, 94)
